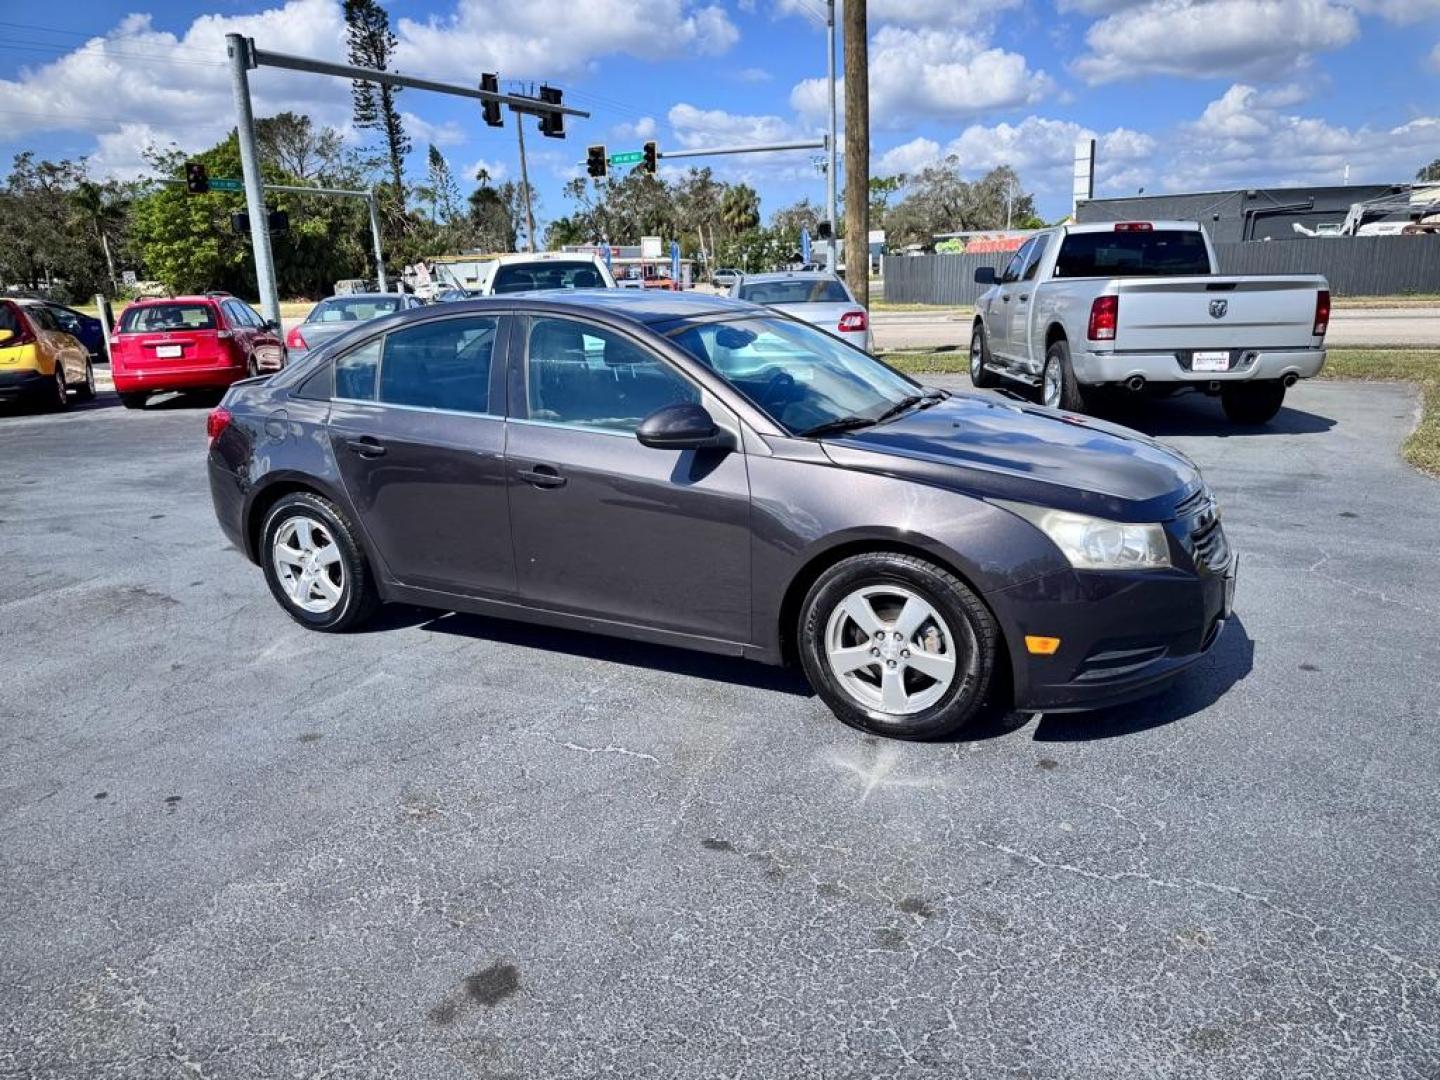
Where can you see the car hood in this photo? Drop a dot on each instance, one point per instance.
(995, 448)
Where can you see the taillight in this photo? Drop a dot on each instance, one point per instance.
(295, 340)
(1104, 316)
(1322, 312)
(1133, 226)
(853, 321)
(217, 422)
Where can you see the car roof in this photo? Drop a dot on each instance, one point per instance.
(362, 296)
(212, 298)
(785, 275)
(545, 256)
(645, 307)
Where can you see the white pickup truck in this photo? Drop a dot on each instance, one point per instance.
(1138, 305)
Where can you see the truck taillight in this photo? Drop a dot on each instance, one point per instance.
(295, 340)
(853, 321)
(1133, 226)
(217, 422)
(1104, 316)
(1322, 312)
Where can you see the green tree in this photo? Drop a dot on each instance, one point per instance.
(740, 209)
(371, 43)
(491, 219)
(790, 220)
(102, 211)
(295, 146)
(882, 189)
(442, 182)
(1430, 172)
(44, 241)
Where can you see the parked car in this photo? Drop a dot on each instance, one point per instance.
(697, 471)
(542, 271)
(450, 296)
(86, 329)
(336, 315)
(821, 299)
(40, 362)
(724, 278)
(1139, 304)
(201, 342)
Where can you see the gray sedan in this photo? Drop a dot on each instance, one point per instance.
(816, 297)
(337, 315)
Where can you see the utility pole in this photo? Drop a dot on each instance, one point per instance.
(525, 185)
(832, 263)
(238, 49)
(857, 153)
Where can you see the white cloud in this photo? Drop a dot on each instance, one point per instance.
(1399, 11)
(1209, 38)
(753, 75)
(641, 129)
(498, 170)
(695, 128)
(932, 73)
(546, 38)
(422, 132)
(908, 157)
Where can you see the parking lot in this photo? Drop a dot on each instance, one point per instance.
(452, 846)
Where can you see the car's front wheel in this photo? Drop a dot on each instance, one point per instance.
(897, 645)
(980, 374)
(314, 564)
(1252, 403)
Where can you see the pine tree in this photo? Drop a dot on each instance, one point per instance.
(371, 44)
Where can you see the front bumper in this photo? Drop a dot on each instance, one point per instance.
(1123, 635)
(1173, 367)
(24, 383)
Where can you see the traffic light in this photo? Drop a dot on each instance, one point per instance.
(596, 164)
(491, 109)
(197, 178)
(279, 222)
(552, 124)
(652, 155)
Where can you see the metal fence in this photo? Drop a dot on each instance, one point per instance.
(1354, 266)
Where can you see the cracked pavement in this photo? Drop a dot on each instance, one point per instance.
(455, 847)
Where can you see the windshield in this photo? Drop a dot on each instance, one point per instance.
(353, 309)
(801, 377)
(796, 291)
(1158, 253)
(151, 317)
(529, 277)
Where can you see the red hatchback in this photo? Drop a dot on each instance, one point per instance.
(190, 343)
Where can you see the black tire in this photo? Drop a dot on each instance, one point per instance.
(969, 621)
(981, 376)
(58, 396)
(358, 595)
(134, 399)
(252, 367)
(1072, 398)
(86, 390)
(1252, 403)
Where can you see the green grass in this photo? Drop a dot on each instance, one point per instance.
(885, 305)
(1418, 366)
(1407, 300)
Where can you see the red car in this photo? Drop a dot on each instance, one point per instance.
(190, 343)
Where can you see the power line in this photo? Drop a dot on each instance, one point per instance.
(101, 34)
(87, 50)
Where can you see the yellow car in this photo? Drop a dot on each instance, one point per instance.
(39, 362)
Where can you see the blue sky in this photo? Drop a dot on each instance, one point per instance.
(1181, 94)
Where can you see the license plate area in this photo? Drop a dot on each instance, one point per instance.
(1210, 360)
(169, 352)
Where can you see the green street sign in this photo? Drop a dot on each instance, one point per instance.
(225, 184)
(628, 158)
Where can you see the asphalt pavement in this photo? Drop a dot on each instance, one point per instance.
(456, 847)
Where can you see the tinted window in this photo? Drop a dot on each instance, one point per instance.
(353, 309)
(152, 317)
(526, 277)
(355, 372)
(233, 314)
(67, 319)
(42, 317)
(800, 291)
(1037, 254)
(583, 374)
(1161, 253)
(250, 314)
(440, 365)
(10, 320)
(1017, 263)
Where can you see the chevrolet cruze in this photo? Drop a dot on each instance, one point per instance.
(703, 472)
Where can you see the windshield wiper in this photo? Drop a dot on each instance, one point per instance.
(907, 402)
(830, 427)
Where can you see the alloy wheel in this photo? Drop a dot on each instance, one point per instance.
(890, 650)
(61, 396)
(309, 565)
(1051, 391)
(976, 357)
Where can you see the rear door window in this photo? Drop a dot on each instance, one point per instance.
(440, 365)
(1156, 253)
(355, 372)
(152, 318)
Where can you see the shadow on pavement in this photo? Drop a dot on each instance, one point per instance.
(1199, 414)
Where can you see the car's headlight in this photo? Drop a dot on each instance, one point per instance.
(1092, 543)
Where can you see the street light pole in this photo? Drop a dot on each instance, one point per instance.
(238, 49)
(831, 263)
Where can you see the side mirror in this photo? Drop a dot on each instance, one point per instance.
(272, 326)
(985, 275)
(685, 426)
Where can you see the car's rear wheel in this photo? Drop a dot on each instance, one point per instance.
(86, 390)
(1058, 388)
(133, 399)
(1252, 403)
(58, 397)
(314, 565)
(980, 374)
(896, 645)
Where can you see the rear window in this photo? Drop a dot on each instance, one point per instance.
(1161, 253)
(801, 291)
(153, 317)
(353, 309)
(528, 277)
(10, 319)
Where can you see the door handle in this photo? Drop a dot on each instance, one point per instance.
(1005, 297)
(365, 446)
(1024, 296)
(543, 476)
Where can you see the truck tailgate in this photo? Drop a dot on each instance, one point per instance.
(1172, 314)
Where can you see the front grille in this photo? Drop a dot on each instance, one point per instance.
(1208, 543)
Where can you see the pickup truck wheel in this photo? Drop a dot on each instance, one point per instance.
(1058, 388)
(980, 374)
(1252, 403)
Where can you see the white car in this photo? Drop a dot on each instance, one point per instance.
(543, 270)
(815, 297)
(725, 278)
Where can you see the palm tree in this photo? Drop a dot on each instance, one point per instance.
(102, 214)
(740, 209)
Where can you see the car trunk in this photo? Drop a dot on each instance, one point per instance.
(824, 315)
(1166, 314)
(157, 350)
(316, 334)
